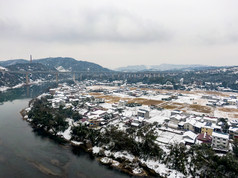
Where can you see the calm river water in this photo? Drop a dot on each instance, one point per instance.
(24, 153)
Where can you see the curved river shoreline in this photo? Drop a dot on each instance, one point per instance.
(24, 153)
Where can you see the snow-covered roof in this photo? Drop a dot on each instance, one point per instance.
(177, 117)
(216, 126)
(190, 135)
(233, 129)
(141, 111)
(220, 135)
(135, 124)
(172, 125)
(234, 121)
(210, 119)
(191, 121)
(199, 124)
(98, 112)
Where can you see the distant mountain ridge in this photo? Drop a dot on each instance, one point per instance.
(48, 66)
(58, 63)
(71, 64)
(161, 67)
(12, 62)
(30, 67)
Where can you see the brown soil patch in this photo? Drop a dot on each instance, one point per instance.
(174, 105)
(110, 99)
(114, 99)
(199, 108)
(228, 110)
(95, 93)
(235, 115)
(214, 93)
(133, 88)
(145, 101)
(169, 106)
(186, 92)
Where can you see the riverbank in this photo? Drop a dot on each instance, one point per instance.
(5, 88)
(121, 161)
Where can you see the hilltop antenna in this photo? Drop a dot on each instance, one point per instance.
(30, 58)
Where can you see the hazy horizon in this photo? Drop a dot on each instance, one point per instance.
(121, 33)
(121, 66)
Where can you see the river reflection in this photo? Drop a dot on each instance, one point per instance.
(27, 91)
(26, 153)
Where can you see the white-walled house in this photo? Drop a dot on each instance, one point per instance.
(143, 113)
(189, 137)
(220, 141)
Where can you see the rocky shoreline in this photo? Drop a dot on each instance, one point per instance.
(121, 164)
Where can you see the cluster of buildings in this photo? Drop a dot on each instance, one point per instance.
(204, 129)
(96, 112)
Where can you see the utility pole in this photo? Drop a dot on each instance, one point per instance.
(57, 77)
(74, 77)
(27, 79)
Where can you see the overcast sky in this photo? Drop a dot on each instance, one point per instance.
(122, 32)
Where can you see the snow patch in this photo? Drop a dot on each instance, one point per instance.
(61, 69)
(96, 150)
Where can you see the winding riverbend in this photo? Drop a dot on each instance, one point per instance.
(24, 153)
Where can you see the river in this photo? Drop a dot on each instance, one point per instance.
(24, 153)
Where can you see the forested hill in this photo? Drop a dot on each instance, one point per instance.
(71, 65)
(59, 63)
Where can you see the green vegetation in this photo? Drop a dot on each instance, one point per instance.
(199, 160)
(45, 117)
(117, 140)
(227, 79)
(224, 125)
(235, 148)
(202, 161)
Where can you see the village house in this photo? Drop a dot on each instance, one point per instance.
(207, 128)
(175, 112)
(136, 123)
(234, 123)
(220, 141)
(99, 100)
(233, 133)
(52, 91)
(198, 127)
(204, 138)
(93, 122)
(232, 101)
(143, 113)
(98, 113)
(189, 124)
(176, 121)
(189, 137)
(210, 119)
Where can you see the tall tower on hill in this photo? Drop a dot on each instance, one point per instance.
(30, 58)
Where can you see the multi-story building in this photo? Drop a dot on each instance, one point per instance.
(220, 141)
